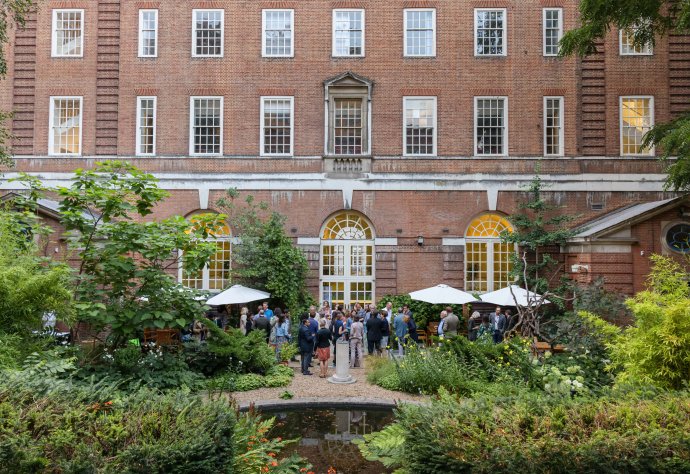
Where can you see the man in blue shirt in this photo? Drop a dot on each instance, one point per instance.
(267, 311)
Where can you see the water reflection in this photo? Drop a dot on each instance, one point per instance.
(326, 437)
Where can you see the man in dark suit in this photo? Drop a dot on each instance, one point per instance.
(498, 324)
(374, 332)
(305, 342)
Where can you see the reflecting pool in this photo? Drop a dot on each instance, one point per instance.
(327, 434)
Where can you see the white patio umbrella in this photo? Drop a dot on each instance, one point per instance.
(237, 294)
(513, 295)
(442, 294)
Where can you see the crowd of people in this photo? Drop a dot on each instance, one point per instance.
(362, 328)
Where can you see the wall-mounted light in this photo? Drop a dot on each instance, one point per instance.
(420, 240)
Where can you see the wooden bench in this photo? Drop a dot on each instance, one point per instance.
(540, 347)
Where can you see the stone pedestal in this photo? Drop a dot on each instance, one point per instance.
(342, 364)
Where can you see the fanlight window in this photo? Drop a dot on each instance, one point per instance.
(347, 226)
(488, 261)
(216, 275)
(347, 260)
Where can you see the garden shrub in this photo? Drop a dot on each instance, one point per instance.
(460, 366)
(230, 351)
(277, 376)
(98, 429)
(656, 350)
(538, 435)
(144, 432)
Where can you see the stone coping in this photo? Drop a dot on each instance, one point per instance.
(327, 402)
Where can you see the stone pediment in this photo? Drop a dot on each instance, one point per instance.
(348, 79)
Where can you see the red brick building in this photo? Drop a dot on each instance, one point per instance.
(396, 135)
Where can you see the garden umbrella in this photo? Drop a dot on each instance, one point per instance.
(513, 295)
(442, 294)
(237, 294)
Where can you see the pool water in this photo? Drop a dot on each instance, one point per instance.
(326, 436)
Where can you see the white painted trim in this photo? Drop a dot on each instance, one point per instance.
(191, 124)
(404, 125)
(543, 30)
(263, 33)
(492, 197)
(203, 198)
(137, 126)
(505, 32)
(364, 33)
(141, 30)
(651, 151)
(53, 49)
(477, 182)
(453, 241)
(222, 32)
(308, 241)
(262, 130)
(597, 248)
(51, 116)
(433, 25)
(505, 121)
(561, 125)
(389, 241)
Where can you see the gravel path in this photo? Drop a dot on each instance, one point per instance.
(312, 386)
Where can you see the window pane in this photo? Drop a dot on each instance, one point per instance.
(636, 121)
(333, 260)
(419, 27)
(348, 127)
(361, 292)
(553, 126)
(552, 31)
(349, 33)
(147, 29)
(68, 33)
(278, 32)
(208, 31)
(147, 125)
(207, 126)
(490, 126)
(628, 46)
(476, 267)
(419, 126)
(65, 126)
(490, 32)
(277, 123)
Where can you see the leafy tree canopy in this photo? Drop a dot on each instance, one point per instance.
(266, 258)
(30, 286)
(124, 278)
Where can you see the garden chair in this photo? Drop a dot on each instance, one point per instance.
(422, 337)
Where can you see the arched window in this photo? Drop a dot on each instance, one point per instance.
(347, 259)
(487, 259)
(216, 275)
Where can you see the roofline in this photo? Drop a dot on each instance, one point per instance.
(632, 220)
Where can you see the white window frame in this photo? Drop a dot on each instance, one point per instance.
(647, 50)
(222, 33)
(560, 29)
(262, 130)
(506, 130)
(651, 151)
(53, 49)
(138, 125)
(404, 124)
(505, 32)
(433, 27)
(264, 44)
(561, 134)
(142, 11)
(51, 116)
(364, 33)
(191, 124)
